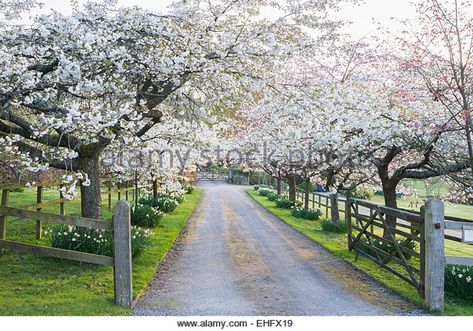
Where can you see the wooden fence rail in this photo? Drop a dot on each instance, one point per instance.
(54, 218)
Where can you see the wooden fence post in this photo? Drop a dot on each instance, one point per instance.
(306, 194)
(422, 252)
(62, 207)
(434, 254)
(334, 207)
(110, 195)
(122, 254)
(39, 199)
(348, 219)
(326, 207)
(3, 218)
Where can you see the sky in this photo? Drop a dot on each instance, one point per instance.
(361, 15)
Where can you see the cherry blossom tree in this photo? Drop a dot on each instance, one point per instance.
(12, 9)
(361, 119)
(71, 86)
(437, 53)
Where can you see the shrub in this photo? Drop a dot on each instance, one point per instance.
(311, 215)
(458, 282)
(272, 196)
(265, 191)
(173, 191)
(257, 187)
(386, 247)
(163, 202)
(335, 227)
(361, 192)
(178, 197)
(284, 202)
(189, 189)
(95, 241)
(146, 215)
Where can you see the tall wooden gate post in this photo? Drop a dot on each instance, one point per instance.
(434, 254)
(334, 207)
(122, 254)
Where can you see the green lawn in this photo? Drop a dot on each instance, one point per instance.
(435, 186)
(337, 244)
(451, 209)
(438, 188)
(34, 285)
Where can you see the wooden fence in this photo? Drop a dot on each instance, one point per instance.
(120, 226)
(326, 202)
(126, 190)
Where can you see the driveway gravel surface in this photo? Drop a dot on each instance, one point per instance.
(235, 258)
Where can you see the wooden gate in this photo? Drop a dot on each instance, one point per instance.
(210, 174)
(392, 238)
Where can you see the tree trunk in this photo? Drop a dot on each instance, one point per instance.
(330, 180)
(389, 185)
(390, 200)
(292, 187)
(278, 185)
(468, 128)
(91, 200)
(137, 192)
(334, 212)
(155, 189)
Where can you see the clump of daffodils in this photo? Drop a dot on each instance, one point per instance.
(95, 241)
(164, 202)
(146, 215)
(458, 281)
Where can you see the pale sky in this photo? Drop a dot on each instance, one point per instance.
(361, 15)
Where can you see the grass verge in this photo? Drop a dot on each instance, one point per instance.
(337, 244)
(35, 285)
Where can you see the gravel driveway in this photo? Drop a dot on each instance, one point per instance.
(237, 259)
